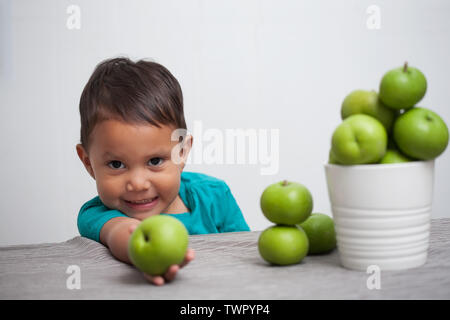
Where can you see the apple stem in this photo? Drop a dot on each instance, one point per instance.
(405, 67)
(285, 183)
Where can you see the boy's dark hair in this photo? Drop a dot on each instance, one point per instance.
(133, 92)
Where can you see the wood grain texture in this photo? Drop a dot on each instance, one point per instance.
(227, 266)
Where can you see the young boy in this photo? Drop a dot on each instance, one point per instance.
(129, 113)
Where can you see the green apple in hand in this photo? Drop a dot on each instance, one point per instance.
(367, 102)
(286, 202)
(283, 245)
(403, 87)
(157, 243)
(421, 133)
(394, 156)
(359, 139)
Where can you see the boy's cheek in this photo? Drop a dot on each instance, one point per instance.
(108, 189)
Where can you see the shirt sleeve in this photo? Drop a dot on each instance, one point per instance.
(92, 216)
(233, 219)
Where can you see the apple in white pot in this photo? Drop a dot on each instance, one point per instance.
(402, 88)
(359, 139)
(367, 102)
(421, 133)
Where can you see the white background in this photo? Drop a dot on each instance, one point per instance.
(283, 65)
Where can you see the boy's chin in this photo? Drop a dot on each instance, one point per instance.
(140, 214)
(143, 216)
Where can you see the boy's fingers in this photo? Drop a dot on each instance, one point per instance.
(159, 281)
(190, 255)
(132, 228)
(156, 280)
(171, 272)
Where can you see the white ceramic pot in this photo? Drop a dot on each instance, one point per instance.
(382, 213)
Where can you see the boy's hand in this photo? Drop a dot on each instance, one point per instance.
(173, 269)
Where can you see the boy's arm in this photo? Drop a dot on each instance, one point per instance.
(115, 234)
(113, 229)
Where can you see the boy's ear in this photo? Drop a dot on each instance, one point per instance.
(82, 154)
(185, 149)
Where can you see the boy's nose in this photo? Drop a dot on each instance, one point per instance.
(138, 183)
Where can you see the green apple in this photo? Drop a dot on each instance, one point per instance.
(421, 133)
(283, 245)
(157, 243)
(399, 112)
(367, 102)
(286, 202)
(403, 87)
(394, 156)
(359, 139)
(321, 233)
(331, 158)
(391, 144)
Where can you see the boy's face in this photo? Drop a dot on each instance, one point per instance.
(132, 164)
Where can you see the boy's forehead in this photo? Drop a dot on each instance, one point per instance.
(113, 134)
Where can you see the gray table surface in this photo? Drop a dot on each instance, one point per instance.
(227, 266)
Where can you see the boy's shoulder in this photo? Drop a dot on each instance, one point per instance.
(94, 202)
(196, 179)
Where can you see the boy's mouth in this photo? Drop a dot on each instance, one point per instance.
(143, 204)
(143, 201)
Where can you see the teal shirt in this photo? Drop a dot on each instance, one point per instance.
(212, 209)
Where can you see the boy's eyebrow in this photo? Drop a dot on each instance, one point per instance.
(108, 154)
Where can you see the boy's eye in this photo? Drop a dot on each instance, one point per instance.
(155, 161)
(115, 164)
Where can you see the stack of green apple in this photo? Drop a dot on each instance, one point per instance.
(388, 127)
(297, 231)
